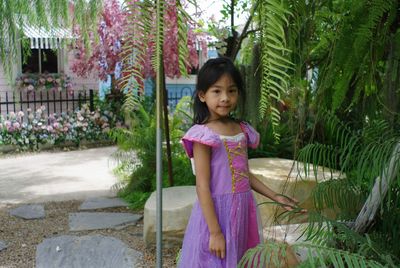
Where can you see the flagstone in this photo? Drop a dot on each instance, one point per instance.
(86, 252)
(82, 221)
(101, 202)
(29, 212)
(3, 245)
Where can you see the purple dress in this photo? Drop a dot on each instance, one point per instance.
(232, 196)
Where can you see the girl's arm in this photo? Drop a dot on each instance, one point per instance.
(287, 202)
(202, 158)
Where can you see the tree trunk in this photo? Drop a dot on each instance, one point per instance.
(252, 80)
(378, 193)
(392, 81)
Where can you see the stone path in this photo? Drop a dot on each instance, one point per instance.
(84, 251)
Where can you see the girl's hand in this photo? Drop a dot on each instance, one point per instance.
(217, 245)
(288, 203)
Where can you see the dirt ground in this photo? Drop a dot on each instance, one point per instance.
(22, 236)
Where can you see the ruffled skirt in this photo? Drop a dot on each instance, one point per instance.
(237, 216)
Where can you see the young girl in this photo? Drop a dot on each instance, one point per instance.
(223, 224)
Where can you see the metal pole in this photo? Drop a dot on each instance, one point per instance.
(159, 142)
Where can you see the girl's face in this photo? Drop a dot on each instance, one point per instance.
(221, 98)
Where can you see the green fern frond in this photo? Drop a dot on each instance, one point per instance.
(263, 254)
(274, 59)
(275, 253)
(183, 50)
(157, 59)
(319, 256)
(341, 195)
(134, 50)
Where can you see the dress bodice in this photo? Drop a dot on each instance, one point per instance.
(229, 163)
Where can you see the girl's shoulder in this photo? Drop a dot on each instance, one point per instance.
(201, 134)
(253, 137)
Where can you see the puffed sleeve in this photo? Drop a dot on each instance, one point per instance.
(253, 137)
(200, 134)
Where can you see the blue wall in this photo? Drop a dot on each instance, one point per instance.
(175, 91)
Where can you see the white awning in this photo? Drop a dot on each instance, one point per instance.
(43, 38)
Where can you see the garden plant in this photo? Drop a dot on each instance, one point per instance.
(326, 78)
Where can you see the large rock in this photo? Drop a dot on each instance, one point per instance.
(293, 235)
(287, 177)
(29, 212)
(86, 252)
(177, 206)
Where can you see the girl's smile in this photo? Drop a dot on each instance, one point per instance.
(221, 98)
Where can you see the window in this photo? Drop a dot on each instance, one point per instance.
(39, 61)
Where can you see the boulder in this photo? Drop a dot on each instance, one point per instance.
(294, 235)
(287, 177)
(177, 206)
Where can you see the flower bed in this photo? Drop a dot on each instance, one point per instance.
(44, 82)
(31, 131)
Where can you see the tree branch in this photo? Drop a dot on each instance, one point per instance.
(244, 33)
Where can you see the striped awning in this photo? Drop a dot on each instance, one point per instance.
(43, 38)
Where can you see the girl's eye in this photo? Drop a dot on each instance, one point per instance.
(216, 91)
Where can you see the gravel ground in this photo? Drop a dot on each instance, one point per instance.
(22, 236)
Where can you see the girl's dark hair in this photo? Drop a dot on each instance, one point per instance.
(208, 75)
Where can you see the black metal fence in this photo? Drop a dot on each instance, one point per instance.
(55, 102)
(58, 102)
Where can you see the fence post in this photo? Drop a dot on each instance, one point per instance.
(91, 101)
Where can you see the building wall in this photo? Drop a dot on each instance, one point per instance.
(7, 89)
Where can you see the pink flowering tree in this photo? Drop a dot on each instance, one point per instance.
(106, 54)
(180, 55)
(153, 44)
(103, 58)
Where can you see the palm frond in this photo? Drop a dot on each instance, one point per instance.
(157, 59)
(274, 59)
(183, 50)
(264, 255)
(135, 47)
(319, 256)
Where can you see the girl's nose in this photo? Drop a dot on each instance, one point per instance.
(224, 97)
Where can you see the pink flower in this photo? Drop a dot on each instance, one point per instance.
(49, 79)
(16, 125)
(20, 114)
(30, 87)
